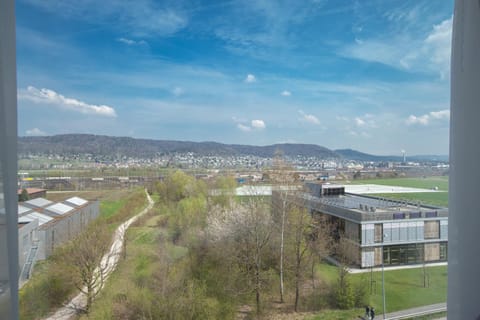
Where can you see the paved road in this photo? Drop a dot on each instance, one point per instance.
(410, 313)
(108, 264)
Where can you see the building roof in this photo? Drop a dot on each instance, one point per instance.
(372, 204)
(23, 209)
(59, 208)
(25, 219)
(42, 218)
(76, 201)
(331, 186)
(39, 202)
(45, 210)
(31, 190)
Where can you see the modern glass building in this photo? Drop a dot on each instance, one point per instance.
(378, 231)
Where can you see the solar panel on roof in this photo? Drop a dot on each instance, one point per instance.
(22, 209)
(77, 201)
(42, 218)
(25, 219)
(59, 208)
(39, 202)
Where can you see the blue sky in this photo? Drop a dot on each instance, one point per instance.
(367, 75)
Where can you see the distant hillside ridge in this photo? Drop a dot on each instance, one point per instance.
(365, 157)
(70, 144)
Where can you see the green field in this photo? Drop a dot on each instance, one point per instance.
(425, 183)
(434, 198)
(404, 288)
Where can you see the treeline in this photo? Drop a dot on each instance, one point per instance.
(210, 255)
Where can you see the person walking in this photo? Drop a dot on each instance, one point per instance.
(367, 313)
(372, 313)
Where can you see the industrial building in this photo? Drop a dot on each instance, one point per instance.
(45, 225)
(377, 230)
(32, 193)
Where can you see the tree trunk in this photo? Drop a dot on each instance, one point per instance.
(297, 291)
(313, 274)
(89, 298)
(257, 290)
(282, 234)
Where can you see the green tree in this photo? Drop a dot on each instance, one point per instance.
(224, 191)
(24, 195)
(344, 293)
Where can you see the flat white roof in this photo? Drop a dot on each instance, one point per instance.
(59, 208)
(25, 219)
(23, 209)
(76, 201)
(42, 218)
(39, 202)
(376, 188)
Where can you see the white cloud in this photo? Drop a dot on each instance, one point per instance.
(258, 124)
(310, 118)
(365, 121)
(243, 127)
(438, 46)
(430, 53)
(35, 132)
(131, 42)
(47, 96)
(286, 93)
(423, 120)
(178, 91)
(360, 122)
(442, 114)
(250, 78)
(146, 18)
(254, 124)
(426, 119)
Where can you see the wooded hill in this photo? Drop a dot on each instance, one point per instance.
(97, 145)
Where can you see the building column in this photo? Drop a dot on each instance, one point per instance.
(8, 165)
(464, 185)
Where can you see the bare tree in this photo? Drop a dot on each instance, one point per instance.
(301, 231)
(284, 184)
(321, 243)
(86, 260)
(247, 228)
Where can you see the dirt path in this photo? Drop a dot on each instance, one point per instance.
(108, 264)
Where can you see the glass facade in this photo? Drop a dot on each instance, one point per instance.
(443, 251)
(411, 254)
(403, 254)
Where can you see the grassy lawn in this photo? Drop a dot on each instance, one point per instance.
(129, 285)
(108, 208)
(426, 183)
(338, 314)
(404, 288)
(434, 198)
